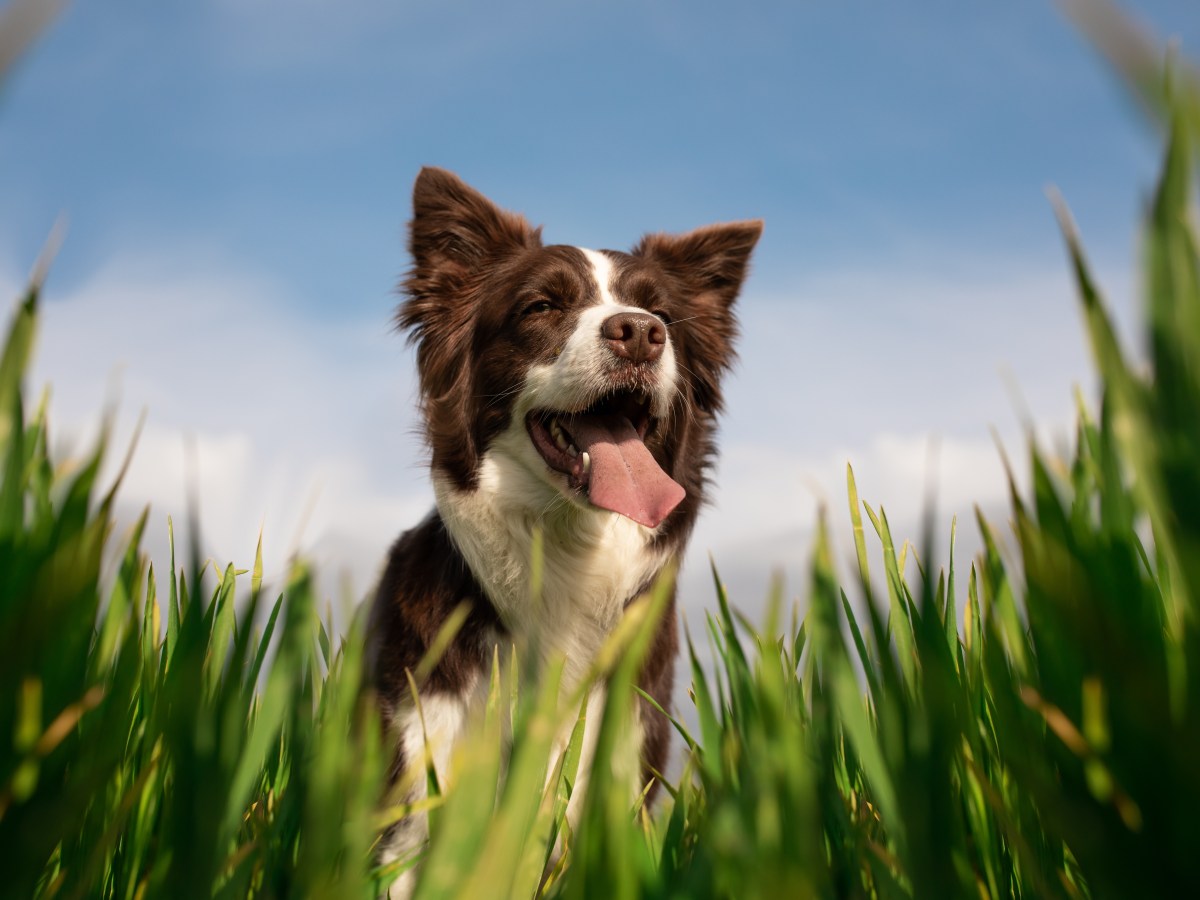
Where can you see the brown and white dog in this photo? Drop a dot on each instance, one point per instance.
(564, 389)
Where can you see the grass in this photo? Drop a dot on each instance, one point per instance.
(1023, 727)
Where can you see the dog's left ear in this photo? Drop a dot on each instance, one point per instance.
(710, 262)
(707, 267)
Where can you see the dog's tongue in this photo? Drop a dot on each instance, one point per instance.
(624, 477)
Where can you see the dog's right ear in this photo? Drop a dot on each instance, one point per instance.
(455, 232)
(455, 229)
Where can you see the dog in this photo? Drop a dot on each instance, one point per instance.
(563, 389)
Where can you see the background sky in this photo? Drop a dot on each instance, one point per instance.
(236, 174)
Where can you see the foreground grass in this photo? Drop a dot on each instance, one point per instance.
(175, 733)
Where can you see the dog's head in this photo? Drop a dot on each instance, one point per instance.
(592, 376)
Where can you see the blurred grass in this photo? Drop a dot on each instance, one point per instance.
(150, 753)
(175, 732)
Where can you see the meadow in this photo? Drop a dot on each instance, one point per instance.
(1023, 724)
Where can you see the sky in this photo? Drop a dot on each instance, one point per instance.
(235, 179)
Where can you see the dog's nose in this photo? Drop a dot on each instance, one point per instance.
(636, 336)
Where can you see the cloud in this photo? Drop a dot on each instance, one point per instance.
(768, 502)
(296, 425)
(916, 377)
(303, 425)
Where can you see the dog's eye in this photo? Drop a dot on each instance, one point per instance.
(662, 314)
(538, 306)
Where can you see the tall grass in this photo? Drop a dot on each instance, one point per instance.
(1009, 728)
(149, 749)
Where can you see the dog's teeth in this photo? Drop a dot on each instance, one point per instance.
(556, 432)
(586, 462)
(572, 451)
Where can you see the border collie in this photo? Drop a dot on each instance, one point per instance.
(564, 389)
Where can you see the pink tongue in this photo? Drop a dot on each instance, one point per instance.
(624, 476)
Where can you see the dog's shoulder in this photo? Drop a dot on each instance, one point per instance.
(425, 580)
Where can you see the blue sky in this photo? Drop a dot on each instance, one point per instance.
(236, 177)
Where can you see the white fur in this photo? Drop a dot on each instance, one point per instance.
(625, 761)
(602, 272)
(442, 720)
(448, 718)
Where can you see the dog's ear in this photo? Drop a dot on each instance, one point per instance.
(706, 267)
(710, 262)
(455, 232)
(455, 229)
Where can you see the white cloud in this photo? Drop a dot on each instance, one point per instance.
(299, 426)
(909, 376)
(767, 505)
(305, 426)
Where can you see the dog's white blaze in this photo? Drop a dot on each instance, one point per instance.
(602, 271)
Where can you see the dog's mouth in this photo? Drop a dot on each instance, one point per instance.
(602, 452)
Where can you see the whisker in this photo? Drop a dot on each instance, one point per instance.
(686, 369)
(493, 399)
(556, 499)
